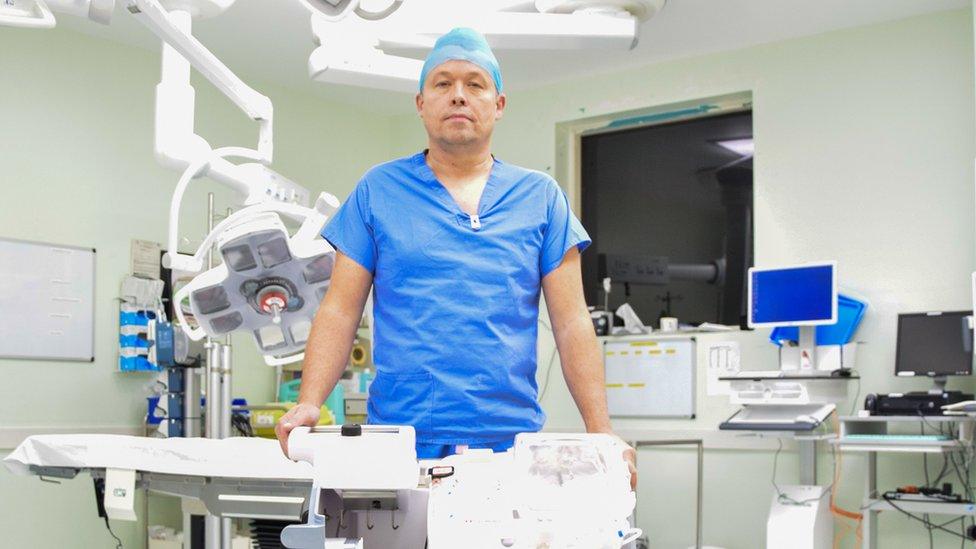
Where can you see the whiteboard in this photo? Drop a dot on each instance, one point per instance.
(47, 301)
(650, 377)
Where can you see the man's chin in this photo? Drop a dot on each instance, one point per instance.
(459, 140)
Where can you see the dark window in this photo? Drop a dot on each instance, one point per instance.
(670, 200)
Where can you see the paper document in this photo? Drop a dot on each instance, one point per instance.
(723, 361)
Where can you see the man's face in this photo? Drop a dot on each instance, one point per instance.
(459, 104)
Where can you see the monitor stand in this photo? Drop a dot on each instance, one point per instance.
(940, 385)
(939, 389)
(808, 347)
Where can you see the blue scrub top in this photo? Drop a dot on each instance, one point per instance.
(455, 299)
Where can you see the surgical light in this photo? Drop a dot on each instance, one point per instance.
(270, 282)
(360, 62)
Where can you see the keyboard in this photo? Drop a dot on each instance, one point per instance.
(907, 438)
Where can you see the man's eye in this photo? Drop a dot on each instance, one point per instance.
(441, 84)
(476, 85)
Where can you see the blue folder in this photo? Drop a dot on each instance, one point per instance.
(849, 314)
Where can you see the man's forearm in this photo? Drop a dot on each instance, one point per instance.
(326, 353)
(582, 367)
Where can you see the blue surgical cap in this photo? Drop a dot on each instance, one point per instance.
(463, 44)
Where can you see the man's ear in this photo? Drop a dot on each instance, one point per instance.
(499, 106)
(419, 102)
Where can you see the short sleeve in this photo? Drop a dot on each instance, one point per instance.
(563, 231)
(351, 230)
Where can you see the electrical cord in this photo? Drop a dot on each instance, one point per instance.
(962, 544)
(928, 523)
(961, 466)
(840, 512)
(962, 479)
(925, 421)
(782, 497)
(118, 542)
(943, 472)
(925, 467)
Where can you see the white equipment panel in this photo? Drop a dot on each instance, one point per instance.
(47, 301)
(650, 377)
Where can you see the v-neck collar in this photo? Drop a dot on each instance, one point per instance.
(487, 195)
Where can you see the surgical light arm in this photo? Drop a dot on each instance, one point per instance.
(176, 145)
(258, 107)
(378, 54)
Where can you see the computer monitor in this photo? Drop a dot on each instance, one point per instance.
(796, 295)
(799, 295)
(937, 345)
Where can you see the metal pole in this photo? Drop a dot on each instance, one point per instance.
(191, 403)
(213, 525)
(870, 520)
(807, 450)
(701, 498)
(694, 273)
(214, 393)
(279, 377)
(226, 535)
(213, 354)
(633, 515)
(225, 392)
(226, 413)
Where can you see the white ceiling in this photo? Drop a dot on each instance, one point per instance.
(270, 40)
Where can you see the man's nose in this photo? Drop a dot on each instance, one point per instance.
(458, 97)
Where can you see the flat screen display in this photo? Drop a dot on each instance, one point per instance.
(804, 295)
(934, 344)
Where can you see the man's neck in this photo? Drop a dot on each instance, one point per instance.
(460, 163)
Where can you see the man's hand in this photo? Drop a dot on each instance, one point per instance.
(630, 456)
(579, 353)
(302, 415)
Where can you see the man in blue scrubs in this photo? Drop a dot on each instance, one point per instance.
(456, 246)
